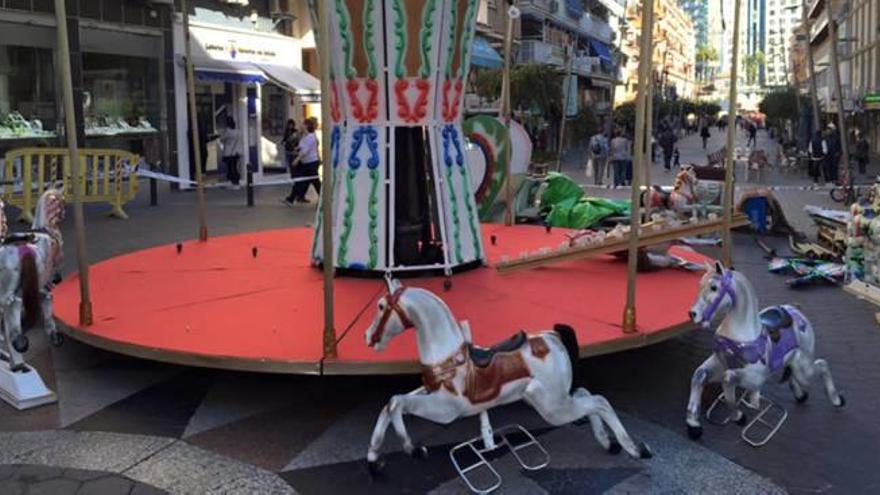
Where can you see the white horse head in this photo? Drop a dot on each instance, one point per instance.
(391, 319)
(49, 212)
(717, 294)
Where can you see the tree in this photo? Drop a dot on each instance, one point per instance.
(487, 84)
(780, 106)
(705, 55)
(753, 64)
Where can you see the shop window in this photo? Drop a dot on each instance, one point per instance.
(120, 95)
(90, 9)
(27, 93)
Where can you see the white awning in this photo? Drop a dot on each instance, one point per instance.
(291, 78)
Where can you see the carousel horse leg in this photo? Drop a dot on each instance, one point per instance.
(708, 372)
(803, 369)
(830, 390)
(55, 338)
(560, 408)
(16, 341)
(728, 385)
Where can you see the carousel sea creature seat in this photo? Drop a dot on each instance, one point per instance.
(482, 356)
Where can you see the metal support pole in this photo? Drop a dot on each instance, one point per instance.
(249, 187)
(727, 198)
(566, 96)
(154, 192)
(838, 93)
(194, 125)
(85, 303)
(326, 178)
(644, 81)
(817, 125)
(509, 215)
(648, 162)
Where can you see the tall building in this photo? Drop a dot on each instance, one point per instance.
(783, 16)
(755, 42)
(861, 62)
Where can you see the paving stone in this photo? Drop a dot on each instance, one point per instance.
(31, 474)
(182, 468)
(108, 485)
(19, 444)
(82, 474)
(142, 489)
(57, 486)
(12, 487)
(6, 471)
(111, 452)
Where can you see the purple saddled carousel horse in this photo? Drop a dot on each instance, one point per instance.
(750, 346)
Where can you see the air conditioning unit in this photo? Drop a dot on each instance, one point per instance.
(554, 6)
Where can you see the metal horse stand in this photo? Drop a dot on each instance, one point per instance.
(477, 447)
(769, 416)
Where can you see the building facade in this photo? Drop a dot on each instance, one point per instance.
(860, 24)
(783, 16)
(673, 57)
(553, 30)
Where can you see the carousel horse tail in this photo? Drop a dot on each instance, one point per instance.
(30, 291)
(570, 341)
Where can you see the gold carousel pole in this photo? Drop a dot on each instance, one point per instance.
(505, 112)
(635, 218)
(194, 125)
(85, 303)
(326, 178)
(727, 202)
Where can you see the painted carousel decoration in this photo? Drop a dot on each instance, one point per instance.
(749, 347)
(27, 274)
(460, 379)
(402, 194)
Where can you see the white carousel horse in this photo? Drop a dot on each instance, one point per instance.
(750, 346)
(27, 274)
(684, 192)
(462, 380)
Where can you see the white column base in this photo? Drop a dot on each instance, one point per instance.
(24, 389)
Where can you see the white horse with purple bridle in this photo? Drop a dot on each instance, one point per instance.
(27, 273)
(460, 379)
(750, 346)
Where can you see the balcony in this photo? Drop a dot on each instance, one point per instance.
(585, 66)
(554, 11)
(538, 52)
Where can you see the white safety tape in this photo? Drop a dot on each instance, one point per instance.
(823, 188)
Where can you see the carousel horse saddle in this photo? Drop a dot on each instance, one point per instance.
(482, 357)
(775, 319)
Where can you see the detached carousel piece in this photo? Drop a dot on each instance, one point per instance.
(749, 347)
(461, 379)
(402, 194)
(27, 275)
(688, 194)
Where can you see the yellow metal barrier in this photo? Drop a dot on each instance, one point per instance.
(106, 176)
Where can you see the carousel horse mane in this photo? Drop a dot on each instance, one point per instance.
(49, 211)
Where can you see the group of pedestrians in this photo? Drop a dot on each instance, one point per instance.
(617, 153)
(826, 150)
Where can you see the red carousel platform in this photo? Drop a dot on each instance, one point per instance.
(214, 304)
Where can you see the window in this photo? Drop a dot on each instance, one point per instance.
(27, 93)
(120, 94)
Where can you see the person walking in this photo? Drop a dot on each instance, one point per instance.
(705, 134)
(667, 143)
(620, 151)
(305, 165)
(230, 142)
(832, 158)
(753, 135)
(818, 151)
(289, 142)
(862, 152)
(599, 156)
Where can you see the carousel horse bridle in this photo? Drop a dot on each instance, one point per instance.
(725, 288)
(392, 302)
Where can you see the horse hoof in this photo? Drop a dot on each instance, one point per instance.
(21, 344)
(419, 452)
(644, 451)
(802, 398)
(695, 432)
(743, 419)
(375, 467)
(842, 400)
(56, 339)
(614, 447)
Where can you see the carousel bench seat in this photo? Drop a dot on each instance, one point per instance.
(482, 356)
(775, 318)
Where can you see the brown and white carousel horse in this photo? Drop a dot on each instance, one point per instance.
(27, 274)
(684, 192)
(460, 379)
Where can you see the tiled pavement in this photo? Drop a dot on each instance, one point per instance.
(31, 479)
(192, 431)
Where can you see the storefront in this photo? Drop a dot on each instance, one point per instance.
(254, 78)
(118, 81)
(871, 105)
